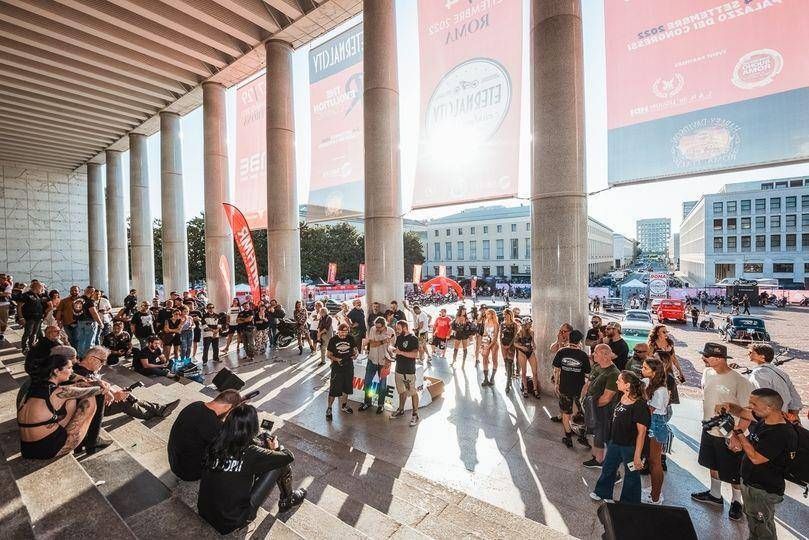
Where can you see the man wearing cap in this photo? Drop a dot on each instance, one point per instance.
(570, 366)
(721, 384)
(603, 390)
(613, 338)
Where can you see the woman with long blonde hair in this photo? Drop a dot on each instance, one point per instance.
(491, 335)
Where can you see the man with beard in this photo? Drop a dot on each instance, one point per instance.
(613, 338)
(341, 351)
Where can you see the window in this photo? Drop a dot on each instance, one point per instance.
(753, 268)
(515, 269)
(792, 240)
(485, 229)
(775, 204)
(448, 231)
(473, 270)
(459, 272)
(528, 226)
(732, 224)
(486, 254)
(746, 205)
(805, 202)
(792, 220)
(437, 251)
(761, 223)
(473, 250)
(731, 243)
(805, 220)
(717, 208)
(717, 224)
(471, 230)
(436, 232)
(791, 202)
(449, 271)
(806, 268)
(745, 243)
(731, 206)
(513, 227)
(775, 242)
(775, 222)
(782, 268)
(746, 223)
(761, 242)
(804, 241)
(527, 248)
(500, 248)
(460, 231)
(435, 270)
(780, 184)
(499, 228)
(717, 243)
(795, 183)
(448, 250)
(768, 185)
(487, 271)
(515, 248)
(460, 251)
(761, 205)
(501, 271)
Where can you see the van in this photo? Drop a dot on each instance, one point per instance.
(673, 310)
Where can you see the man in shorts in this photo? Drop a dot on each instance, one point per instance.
(441, 331)
(603, 390)
(570, 367)
(380, 337)
(406, 351)
(421, 327)
(341, 351)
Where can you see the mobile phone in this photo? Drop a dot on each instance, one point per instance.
(267, 425)
(631, 465)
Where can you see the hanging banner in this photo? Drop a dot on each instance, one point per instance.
(250, 179)
(362, 273)
(442, 270)
(336, 188)
(471, 72)
(244, 241)
(332, 277)
(416, 274)
(474, 284)
(703, 86)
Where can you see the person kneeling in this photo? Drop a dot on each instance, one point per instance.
(151, 361)
(239, 472)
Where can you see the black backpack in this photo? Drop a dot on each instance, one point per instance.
(797, 470)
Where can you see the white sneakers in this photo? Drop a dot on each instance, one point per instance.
(646, 497)
(597, 498)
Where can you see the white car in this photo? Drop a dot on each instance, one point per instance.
(635, 332)
(637, 315)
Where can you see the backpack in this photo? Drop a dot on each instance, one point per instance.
(797, 470)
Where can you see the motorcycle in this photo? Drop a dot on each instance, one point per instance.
(287, 332)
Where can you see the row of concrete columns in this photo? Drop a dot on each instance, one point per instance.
(558, 197)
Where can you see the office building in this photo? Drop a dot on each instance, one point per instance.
(752, 230)
(674, 250)
(654, 235)
(688, 206)
(623, 250)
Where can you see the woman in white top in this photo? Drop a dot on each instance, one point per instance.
(489, 342)
(233, 314)
(657, 395)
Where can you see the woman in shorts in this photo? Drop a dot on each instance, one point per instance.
(526, 355)
(508, 332)
(479, 322)
(461, 330)
(657, 396)
(491, 335)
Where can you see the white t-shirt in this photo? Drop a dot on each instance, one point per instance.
(660, 399)
(424, 320)
(730, 387)
(376, 354)
(314, 321)
(104, 307)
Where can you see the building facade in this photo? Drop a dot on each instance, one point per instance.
(654, 235)
(688, 206)
(752, 230)
(496, 241)
(623, 250)
(674, 250)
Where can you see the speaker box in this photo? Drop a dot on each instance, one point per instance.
(227, 380)
(626, 521)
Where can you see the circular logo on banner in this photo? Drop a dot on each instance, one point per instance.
(658, 286)
(757, 68)
(470, 102)
(704, 141)
(666, 88)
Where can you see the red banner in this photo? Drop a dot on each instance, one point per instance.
(336, 188)
(250, 193)
(332, 272)
(362, 273)
(244, 240)
(471, 72)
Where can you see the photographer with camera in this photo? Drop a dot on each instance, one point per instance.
(721, 384)
(239, 471)
(768, 449)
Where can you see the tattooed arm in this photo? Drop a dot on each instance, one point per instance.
(78, 392)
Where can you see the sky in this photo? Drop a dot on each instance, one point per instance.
(617, 207)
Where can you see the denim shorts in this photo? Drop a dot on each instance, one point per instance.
(660, 431)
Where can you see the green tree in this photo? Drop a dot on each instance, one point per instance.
(260, 245)
(413, 252)
(157, 238)
(196, 249)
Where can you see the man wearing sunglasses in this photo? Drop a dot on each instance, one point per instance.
(639, 355)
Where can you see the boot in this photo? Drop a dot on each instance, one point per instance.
(288, 498)
(485, 378)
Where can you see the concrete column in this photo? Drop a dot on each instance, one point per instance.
(384, 249)
(558, 196)
(283, 233)
(140, 218)
(117, 246)
(219, 271)
(96, 227)
(175, 238)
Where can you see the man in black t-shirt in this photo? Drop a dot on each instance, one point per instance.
(150, 360)
(246, 329)
(620, 349)
(32, 309)
(88, 320)
(142, 324)
(595, 334)
(131, 300)
(275, 313)
(118, 342)
(398, 314)
(357, 319)
(768, 449)
(341, 350)
(195, 428)
(406, 350)
(570, 366)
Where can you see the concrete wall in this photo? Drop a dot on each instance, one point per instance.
(43, 225)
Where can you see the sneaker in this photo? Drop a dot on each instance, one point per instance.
(292, 501)
(582, 440)
(735, 512)
(414, 420)
(397, 413)
(328, 414)
(167, 409)
(568, 442)
(646, 498)
(557, 419)
(364, 407)
(380, 409)
(597, 498)
(346, 409)
(592, 463)
(706, 497)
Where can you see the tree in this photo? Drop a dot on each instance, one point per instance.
(157, 238)
(260, 245)
(413, 253)
(195, 229)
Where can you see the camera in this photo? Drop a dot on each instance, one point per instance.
(264, 436)
(723, 421)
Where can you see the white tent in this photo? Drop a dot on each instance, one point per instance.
(631, 287)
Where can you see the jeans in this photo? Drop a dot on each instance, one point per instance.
(380, 390)
(186, 339)
(70, 330)
(32, 332)
(616, 456)
(273, 335)
(210, 343)
(142, 410)
(85, 334)
(248, 341)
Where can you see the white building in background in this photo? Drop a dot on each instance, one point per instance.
(496, 241)
(750, 229)
(623, 250)
(674, 249)
(653, 235)
(688, 206)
